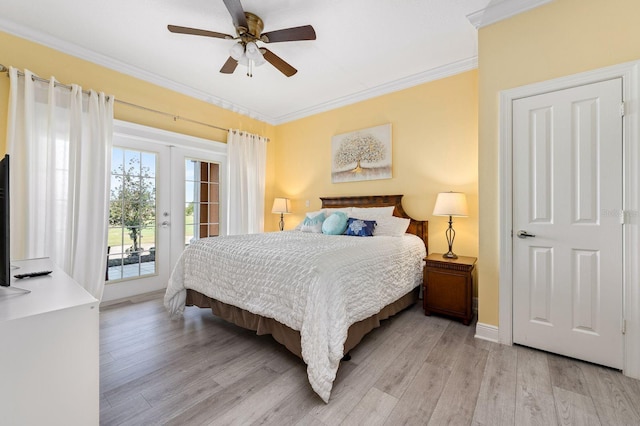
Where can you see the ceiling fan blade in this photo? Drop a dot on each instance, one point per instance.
(305, 32)
(237, 13)
(278, 62)
(230, 66)
(195, 31)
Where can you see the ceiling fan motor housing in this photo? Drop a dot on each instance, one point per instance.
(254, 31)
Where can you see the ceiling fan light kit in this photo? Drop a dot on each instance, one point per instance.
(249, 31)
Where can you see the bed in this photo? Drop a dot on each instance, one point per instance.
(304, 289)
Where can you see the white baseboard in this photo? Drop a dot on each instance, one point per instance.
(487, 332)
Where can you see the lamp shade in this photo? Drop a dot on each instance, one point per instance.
(451, 204)
(281, 205)
(237, 51)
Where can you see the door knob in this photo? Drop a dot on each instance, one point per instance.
(524, 234)
(165, 224)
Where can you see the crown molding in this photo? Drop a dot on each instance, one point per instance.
(107, 62)
(383, 89)
(505, 9)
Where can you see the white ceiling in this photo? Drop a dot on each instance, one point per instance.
(364, 48)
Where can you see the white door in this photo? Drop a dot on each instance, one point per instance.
(197, 196)
(567, 231)
(139, 218)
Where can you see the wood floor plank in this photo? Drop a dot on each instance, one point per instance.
(216, 404)
(418, 402)
(373, 409)
(202, 370)
(120, 414)
(458, 399)
(253, 407)
(612, 402)
(533, 369)
(574, 408)
(346, 394)
(534, 395)
(395, 379)
(446, 350)
(290, 410)
(496, 400)
(566, 374)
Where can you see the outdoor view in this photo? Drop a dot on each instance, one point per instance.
(202, 199)
(132, 214)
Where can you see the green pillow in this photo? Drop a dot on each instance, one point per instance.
(335, 224)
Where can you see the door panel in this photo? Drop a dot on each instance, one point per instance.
(567, 163)
(139, 250)
(198, 182)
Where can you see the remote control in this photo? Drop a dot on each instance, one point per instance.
(32, 274)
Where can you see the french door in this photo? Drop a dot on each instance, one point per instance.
(198, 195)
(139, 218)
(166, 190)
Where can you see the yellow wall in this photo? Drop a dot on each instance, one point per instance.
(562, 38)
(46, 62)
(434, 131)
(434, 149)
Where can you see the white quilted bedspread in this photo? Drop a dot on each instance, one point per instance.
(317, 284)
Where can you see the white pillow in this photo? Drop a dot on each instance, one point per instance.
(391, 226)
(371, 213)
(345, 210)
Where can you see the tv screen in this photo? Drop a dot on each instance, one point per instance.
(5, 262)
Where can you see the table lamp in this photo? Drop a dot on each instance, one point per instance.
(451, 204)
(282, 206)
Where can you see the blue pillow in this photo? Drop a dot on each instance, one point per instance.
(360, 228)
(335, 224)
(313, 224)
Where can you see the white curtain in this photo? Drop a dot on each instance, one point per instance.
(247, 156)
(59, 142)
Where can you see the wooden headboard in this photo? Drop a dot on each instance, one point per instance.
(416, 227)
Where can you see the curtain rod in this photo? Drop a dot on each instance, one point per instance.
(167, 114)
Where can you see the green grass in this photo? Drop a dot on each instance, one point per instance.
(115, 234)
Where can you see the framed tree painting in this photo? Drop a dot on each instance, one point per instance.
(361, 155)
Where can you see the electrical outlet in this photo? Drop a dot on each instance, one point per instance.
(307, 203)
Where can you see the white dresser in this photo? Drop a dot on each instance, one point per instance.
(49, 350)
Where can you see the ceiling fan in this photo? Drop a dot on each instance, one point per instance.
(249, 31)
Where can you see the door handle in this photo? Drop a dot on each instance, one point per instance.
(524, 234)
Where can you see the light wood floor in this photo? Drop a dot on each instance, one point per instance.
(412, 370)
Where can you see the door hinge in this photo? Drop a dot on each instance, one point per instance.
(622, 109)
(624, 326)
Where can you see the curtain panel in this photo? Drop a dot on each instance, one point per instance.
(59, 141)
(247, 156)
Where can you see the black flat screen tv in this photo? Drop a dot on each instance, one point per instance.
(5, 261)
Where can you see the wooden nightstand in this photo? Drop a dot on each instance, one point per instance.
(448, 286)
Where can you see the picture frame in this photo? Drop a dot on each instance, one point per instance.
(362, 155)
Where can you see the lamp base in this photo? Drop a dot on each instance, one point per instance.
(450, 255)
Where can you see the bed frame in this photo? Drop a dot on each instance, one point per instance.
(291, 338)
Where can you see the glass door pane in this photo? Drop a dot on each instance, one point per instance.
(132, 214)
(202, 200)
